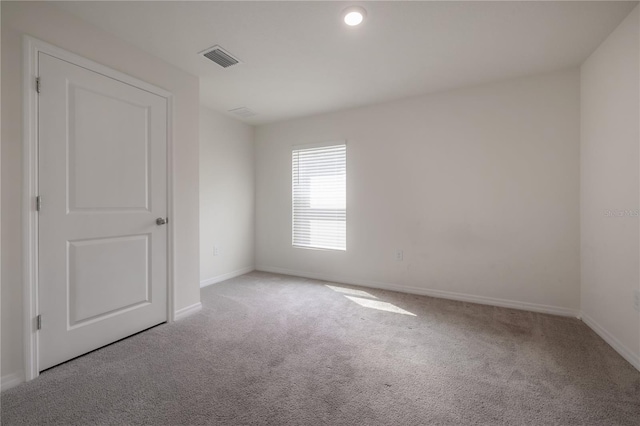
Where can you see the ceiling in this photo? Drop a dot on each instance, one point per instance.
(300, 59)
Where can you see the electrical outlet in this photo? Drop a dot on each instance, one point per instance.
(216, 250)
(636, 300)
(399, 255)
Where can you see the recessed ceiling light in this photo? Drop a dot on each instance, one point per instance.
(354, 15)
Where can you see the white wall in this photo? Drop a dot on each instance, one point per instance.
(59, 28)
(610, 253)
(11, 223)
(478, 186)
(227, 197)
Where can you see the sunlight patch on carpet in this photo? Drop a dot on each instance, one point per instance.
(350, 291)
(377, 304)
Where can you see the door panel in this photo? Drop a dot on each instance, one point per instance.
(95, 290)
(108, 152)
(103, 182)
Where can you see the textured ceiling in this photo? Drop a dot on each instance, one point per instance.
(300, 59)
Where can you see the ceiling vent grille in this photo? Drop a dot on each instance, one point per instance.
(243, 112)
(220, 56)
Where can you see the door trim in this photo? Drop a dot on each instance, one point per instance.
(31, 49)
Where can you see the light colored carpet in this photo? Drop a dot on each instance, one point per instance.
(277, 350)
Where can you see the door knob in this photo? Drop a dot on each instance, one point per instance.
(162, 221)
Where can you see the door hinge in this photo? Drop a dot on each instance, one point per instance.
(38, 203)
(38, 84)
(39, 322)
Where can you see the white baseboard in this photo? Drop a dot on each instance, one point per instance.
(503, 303)
(624, 351)
(11, 380)
(185, 312)
(227, 276)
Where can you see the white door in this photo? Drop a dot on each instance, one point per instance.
(103, 182)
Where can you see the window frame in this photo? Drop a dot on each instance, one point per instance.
(295, 148)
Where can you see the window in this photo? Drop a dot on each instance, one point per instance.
(320, 197)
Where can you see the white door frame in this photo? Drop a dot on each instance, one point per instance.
(31, 48)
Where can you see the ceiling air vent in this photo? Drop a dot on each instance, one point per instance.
(220, 56)
(243, 112)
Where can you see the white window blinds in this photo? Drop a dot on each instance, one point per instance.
(320, 197)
